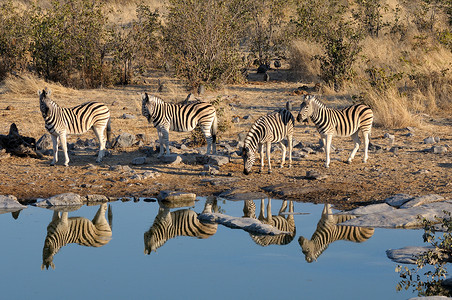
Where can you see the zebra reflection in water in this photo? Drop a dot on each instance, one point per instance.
(277, 221)
(183, 222)
(63, 230)
(328, 232)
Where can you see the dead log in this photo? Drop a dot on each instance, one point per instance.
(19, 145)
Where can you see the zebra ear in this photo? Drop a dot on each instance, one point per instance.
(47, 91)
(289, 105)
(144, 97)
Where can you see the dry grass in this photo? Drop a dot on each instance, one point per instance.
(301, 58)
(28, 84)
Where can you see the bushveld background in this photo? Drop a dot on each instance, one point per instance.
(394, 55)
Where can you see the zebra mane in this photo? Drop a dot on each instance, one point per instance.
(315, 100)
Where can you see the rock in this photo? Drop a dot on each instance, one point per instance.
(171, 159)
(422, 200)
(370, 209)
(398, 200)
(239, 194)
(250, 225)
(315, 175)
(121, 168)
(391, 137)
(45, 142)
(139, 160)
(218, 160)
(173, 196)
(124, 140)
(236, 120)
(66, 199)
(96, 198)
(438, 149)
(128, 116)
(430, 140)
(406, 255)
(403, 217)
(9, 203)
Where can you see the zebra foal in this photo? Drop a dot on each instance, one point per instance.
(177, 117)
(334, 122)
(272, 128)
(60, 121)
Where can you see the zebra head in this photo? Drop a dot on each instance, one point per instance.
(308, 249)
(306, 109)
(144, 106)
(249, 157)
(47, 255)
(44, 101)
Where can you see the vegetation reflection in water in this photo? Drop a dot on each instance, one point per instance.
(94, 229)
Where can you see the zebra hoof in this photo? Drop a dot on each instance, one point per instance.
(269, 171)
(52, 164)
(348, 162)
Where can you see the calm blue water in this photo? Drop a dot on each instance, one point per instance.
(228, 265)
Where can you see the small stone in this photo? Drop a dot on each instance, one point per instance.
(139, 160)
(429, 140)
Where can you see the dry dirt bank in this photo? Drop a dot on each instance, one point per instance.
(408, 169)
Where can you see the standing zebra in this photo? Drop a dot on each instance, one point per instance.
(176, 117)
(272, 128)
(60, 121)
(63, 230)
(331, 122)
(183, 222)
(279, 222)
(328, 232)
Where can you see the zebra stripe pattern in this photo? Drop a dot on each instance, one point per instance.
(328, 232)
(184, 222)
(177, 117)
(61, 121)
(333, 122)
(63, 230)
(272, 128)
(279, 222)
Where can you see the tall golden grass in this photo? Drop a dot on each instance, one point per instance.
(28, 84)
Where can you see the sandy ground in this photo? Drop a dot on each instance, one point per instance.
(409, 169)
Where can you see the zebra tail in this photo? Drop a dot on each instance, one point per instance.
(110, 217)
(109, 131)
(214, 129)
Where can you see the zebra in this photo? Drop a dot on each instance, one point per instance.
(183, 222)
(177, 117)
(328, 232)
(60, 121)
(279, 222)
(268, 129)
(331, 122)
(63, 230)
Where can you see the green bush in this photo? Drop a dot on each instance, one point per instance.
(68, 42)
(14, 39)
(202, 40)
(438, 257)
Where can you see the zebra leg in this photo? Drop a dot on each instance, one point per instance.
(64, 146)
(208, 136)
(99, 132)
(261, 211)
(269, 146)
(283, 207)
(55, 149)
(366, 145)
(357, 142)
(160, 135)
(283, 159)
(261, 151)
(290, 144)
(269, 212)
(327, 140)
(165, 137)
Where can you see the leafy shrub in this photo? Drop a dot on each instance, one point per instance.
(14, 39)
(202, 40)
(438, 257)
(69, 41)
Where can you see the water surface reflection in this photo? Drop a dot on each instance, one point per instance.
(63, 230)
